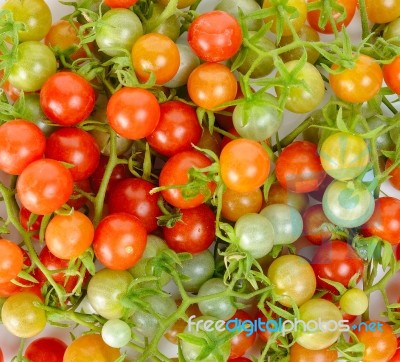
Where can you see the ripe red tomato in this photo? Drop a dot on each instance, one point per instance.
(67, 98)
(68, 236)
(23, 143)
(385, 221)
(132, 196)
(391, 74)
(46, 349)
(241, 342)
(76, 147)
(194, 232)
(244, 164)
(379, 341)
(176, 172)
(133, 112)
(177, 129)
(1, 356)
(396, 356)
(313, 229)
(119, 241)
(358, 84)
(215, 36)
(120, 3)
(239, 359)
(394, 175)
(158, 54)
(212, 84)
(349, 7)
(298, 168)
(337, 261)
(44, 186)
(11, 261)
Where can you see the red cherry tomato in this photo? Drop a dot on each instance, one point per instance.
(391, 74)
(46, 349)
(120, 3)
(11, 260)
(243, 341)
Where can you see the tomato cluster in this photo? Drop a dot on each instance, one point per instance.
(160, 185)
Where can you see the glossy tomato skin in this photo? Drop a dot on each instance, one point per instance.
(120, 3)
(44, 186)
(76, 147)
(245, 165)
(11, 261)
(46, 349)
(391, 74)
(176, 172)
(349, 6)
(119, 241)
(382, 11)
(379, 340)
(394, 175)
(155, 53)
(358, 84)
(177, 129)
(67, 98)
(25, 143)
(212, 84)
(313, 220)
(132, 196)
(236, 204)
(298, 167)
(133, 112)
(385, 221)
(241, 342)
(194, 232)
(337, 261)
(215, 36)
(301, 354)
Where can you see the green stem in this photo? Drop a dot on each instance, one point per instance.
(364, 18)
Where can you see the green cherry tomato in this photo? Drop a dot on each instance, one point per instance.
(105, 290)
(286, 221)
(170, 27)
(354, 301)
(293, 279)
(116, 333)
(34, 14)
(303, 98)
(222, 307)
(348, 204)
(344, 156)
(21, 317)
(34, 65)
(256, 234)
(257, 119)
(322, 311)
(119, 28)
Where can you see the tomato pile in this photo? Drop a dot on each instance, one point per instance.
(153, 179)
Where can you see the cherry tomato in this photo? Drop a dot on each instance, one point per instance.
(11, 261)
(382, 11)
(68, 236)
(194, 232)
(354, 302)
(133, 112)
(298, 168)
(379, 341)
(301, 354)
(176, 172)
(177, 129)
(132, 196)
(245, 165)
(90, 347)
(120, 3)
(67, 98)
(396, 356)
(215, 36)
(212, 84)
(337, 261)
(46, 349)
(394, 175)
(279, 195)
(155, 53)
(359, 83)
(25, 144)
(236, 204)
(314, 230)
(119, 241)
(241, 342)
(391, 74)
(1, 356)
(385, 221)
(348, 8)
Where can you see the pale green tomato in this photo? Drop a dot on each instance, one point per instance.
(256, 234)
(286, 221)
(170, 27)
(308, 96)
(344, 156)
(329, 318)
(188, 62)
(116, 333)
(354, 302)
(348, 204)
